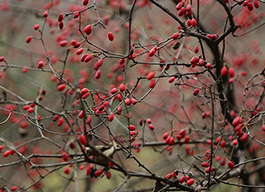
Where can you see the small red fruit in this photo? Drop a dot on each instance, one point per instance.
(224, 71)
(85, 2)
(6, 154)
(63, 43)
(45, 14)
(66, 170)
(110, 36)
(235, 142)
(244, 137)
(83, 139)
(98, 74)
(60, 121)
(60, 18)
(151, 127)
(175, 36)
(171, 79)
(28, 40)
(79, 51)
(231, 72)
(152, 51)
(205, 164)
(152, 83)
(131, 127)
(169, 176)
(231, 165)
(88, 29)
(36, 27)
(222, 161)
(127, 101)
(61, 87)
(98, 172)
(150, 75)
(190, 182)
(111, 117)
(196, 92)
(196, 49)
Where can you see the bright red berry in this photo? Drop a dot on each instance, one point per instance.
(231, 165)
(28, 40)
(110, 36)
(61, 87)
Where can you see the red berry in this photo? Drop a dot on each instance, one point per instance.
(122, 87)
(98, 172)
(98, 64)
(150, 75)
(61, 87)
(66, 157)
(152, 83)
(151, 127)
(60, 18)
(182, 11)
(14, 188)
(83, 139)
(205, 164)
(98, 74)
(28, 40)
(66, 170)
(208, 65)
(36, 27)
(79, 51)
(187, 139)
(84, 91)
(111, 117)
(61, 25)
(223, 144)
(196, 92)
(235, 142)
(222, 161)
(6, 154)
(127, 101)
(131, 127)
(224, 71)
(250, 6)
(231, 165)
(81, 114)
(85, 2)
(182, 179)
(63, 43)
(190, 182)
(45, 14)
(165, 136)
(193, 22)
(72, 145)
(182, 133)
(171, 79)
(231, 72)
(60, 121)
(108, 175)
(179, 6)
(152, 51)
(175, 36)
(244, 137)
(171, 141)
(110, 36)
(88, 119)
(196, 49)
(169, 176)
(256, 3)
